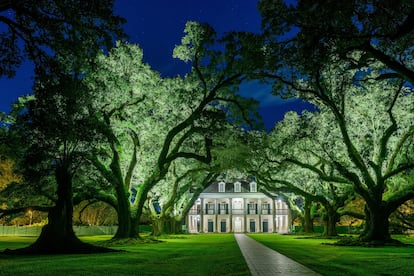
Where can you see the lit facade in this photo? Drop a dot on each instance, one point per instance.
(237, 208)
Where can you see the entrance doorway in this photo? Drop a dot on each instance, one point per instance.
(238, 225)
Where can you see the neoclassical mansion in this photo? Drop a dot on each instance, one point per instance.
(237, 207)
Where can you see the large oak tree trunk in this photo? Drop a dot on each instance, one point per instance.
(58, 237)
(377, 225)
(126, 224)
(331, 219)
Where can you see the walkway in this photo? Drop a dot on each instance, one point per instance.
(264, 261)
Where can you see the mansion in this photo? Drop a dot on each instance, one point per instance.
(237, 207)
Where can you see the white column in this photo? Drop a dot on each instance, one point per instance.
(202, 216)
(215, 216)
(273, 212)
(245, 215)
(259, 210)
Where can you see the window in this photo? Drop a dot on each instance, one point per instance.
(223, 208)
(237, 187)
(253, 187)
(209, 208)
(222, 187)
(266, 208)
(252, 208)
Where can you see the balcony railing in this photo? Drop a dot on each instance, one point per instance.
(252, 212)
(209, 212)
(266, 212)
(238, 212)
(223, 212)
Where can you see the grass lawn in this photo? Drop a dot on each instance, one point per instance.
(214, 254)
(343, 260)
(182, 255)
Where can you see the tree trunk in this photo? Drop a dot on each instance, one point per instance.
(125, 221)
(58, 237)
(141, 198)
(331, 219)
(307, 223)
(176, 226)
(158, 226)
(377, 225)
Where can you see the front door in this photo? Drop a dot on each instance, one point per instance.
(252, 226)
(238, 225)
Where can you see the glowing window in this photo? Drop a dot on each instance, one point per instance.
(222, 187)
(253, 187)
(237, 187)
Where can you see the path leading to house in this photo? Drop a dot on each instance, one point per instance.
(265, 261)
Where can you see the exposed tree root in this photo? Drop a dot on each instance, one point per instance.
(128, 241)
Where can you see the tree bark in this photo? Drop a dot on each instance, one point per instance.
(158, 227)
(331, 219)
(377, 225)
(58, 237)
(307, 223)
(125, 221)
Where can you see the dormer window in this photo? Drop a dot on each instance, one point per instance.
(237, 187)
(253, 187)
(222, 187)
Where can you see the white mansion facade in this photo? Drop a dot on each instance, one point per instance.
(237, 207)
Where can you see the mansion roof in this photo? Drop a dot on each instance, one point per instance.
(229, 187)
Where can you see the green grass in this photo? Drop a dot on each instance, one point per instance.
(343, 260)
(181, 255)
(214, 254)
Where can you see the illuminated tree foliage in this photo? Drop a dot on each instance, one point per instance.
(334, 53)
(209, 95)
(151, 122)
(126, 95)
(170, 200)
(275, 163)
(186, 179)
(362, 136)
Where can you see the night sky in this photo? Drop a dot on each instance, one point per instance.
(157, 26)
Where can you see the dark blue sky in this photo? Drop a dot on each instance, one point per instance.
(157, 26)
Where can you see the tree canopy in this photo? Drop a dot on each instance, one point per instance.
(310, 32)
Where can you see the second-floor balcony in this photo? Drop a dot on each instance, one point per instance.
(266, 212)
(226, 211)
